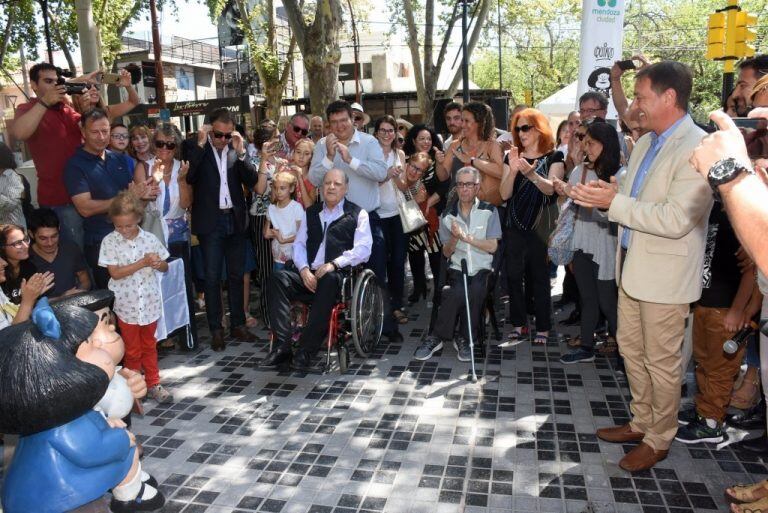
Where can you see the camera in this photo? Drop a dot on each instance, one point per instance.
(72, 87)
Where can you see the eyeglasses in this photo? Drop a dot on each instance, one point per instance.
(386, 131)
(416, 168)
(120, 137)
(524, 128)
(19, 243)
(302, 131)
(589, 112)
(219, 135)
(165, 144)
(465, 185)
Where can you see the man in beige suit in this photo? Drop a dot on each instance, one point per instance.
(662, 208)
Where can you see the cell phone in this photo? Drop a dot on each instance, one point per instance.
(626, 65)
(110, 78)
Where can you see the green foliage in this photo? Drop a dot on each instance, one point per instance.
(23, 31)
(540, 44)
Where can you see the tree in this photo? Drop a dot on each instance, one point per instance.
(317, 36)
(421, 45)
(258, 26)
(19, 27)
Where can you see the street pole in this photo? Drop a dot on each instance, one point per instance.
(464, 56)
(47, 30)
(498, 17)
(158, 51)
(87, 33)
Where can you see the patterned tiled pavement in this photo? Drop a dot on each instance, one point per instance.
(397, 435)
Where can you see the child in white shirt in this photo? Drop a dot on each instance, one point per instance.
(284, 216)
(132, 256)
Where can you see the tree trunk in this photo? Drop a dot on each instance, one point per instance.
(274, 96)
(482, 15)
(7, 36)
(319, 45)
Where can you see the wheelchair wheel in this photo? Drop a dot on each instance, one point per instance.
(367, 313)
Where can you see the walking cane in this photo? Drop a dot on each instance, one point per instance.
(464, 274)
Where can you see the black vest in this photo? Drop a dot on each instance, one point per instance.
(339, 236)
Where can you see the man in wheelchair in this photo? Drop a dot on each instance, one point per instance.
(334, 238)
(470, 230)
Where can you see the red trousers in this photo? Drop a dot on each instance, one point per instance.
(141, 350)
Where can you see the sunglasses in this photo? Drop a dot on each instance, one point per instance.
(302, 131)
(358, 118)
(524, 128)
(19, 243)
(219, 135)
(165, 144)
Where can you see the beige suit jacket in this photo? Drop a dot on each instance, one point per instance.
(669, 217)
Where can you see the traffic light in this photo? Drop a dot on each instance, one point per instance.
(744, 34)
(149, 73)
(716, 36)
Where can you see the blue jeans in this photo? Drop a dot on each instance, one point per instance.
(396, 247)
(378, 264)
(71, 223)
(224, 243)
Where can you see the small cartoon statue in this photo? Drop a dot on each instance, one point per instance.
(600, 80)
(68, 455)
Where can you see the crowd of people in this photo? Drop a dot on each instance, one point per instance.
(627, 210)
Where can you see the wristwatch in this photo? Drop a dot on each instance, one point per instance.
(724, 171)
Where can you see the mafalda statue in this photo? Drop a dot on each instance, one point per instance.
(51, 378)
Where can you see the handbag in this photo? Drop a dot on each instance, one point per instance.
(153, 223)
(411, 216)
(560, 246)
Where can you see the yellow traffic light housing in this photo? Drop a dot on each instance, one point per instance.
(744, 34)
(716, 36)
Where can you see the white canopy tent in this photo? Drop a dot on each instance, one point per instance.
(559, 105)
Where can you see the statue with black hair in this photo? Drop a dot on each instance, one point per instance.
(51, 377)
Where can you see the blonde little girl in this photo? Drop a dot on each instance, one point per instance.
(131, 257)
(284, 216)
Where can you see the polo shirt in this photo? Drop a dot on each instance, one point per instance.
(103, 178)
(53, 143)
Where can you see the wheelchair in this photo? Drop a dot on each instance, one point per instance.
(358, 315)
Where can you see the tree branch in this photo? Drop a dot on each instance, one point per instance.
(413, 44)
(7, 35)
(446, 39)
(297, 23)
(476, 30)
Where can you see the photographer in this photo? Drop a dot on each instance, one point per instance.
(49, 125)
(91, 98)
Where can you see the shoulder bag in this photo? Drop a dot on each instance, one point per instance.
(411, 216)
(560, 246)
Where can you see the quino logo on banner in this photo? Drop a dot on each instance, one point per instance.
(606, 11)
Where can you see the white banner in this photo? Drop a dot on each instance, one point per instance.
(602, 33)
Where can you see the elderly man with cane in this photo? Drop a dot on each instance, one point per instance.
(471, 230)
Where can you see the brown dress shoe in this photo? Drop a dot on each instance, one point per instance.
(241, 334)
(642, 457)
(619, 434)
(217, 341)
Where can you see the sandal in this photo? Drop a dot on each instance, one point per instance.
(760, 506)
(400, 316)
(575, 341)
(747, 395)
(609, 346)
(515, 334)
(740, 494)
(541, 338)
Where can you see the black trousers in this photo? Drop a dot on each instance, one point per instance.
(453, 305)
(285, 286)
(527, 265)
(100, 274)
(182, 250)
(596, 296)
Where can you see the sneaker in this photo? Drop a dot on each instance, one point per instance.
(430, 346)
(462, 350)
(700, 430)
(578, 355)
(687, 415)
(160, 394)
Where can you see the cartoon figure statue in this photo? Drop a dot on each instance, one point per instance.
(51, 377)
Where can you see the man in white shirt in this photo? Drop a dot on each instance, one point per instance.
(334, 237)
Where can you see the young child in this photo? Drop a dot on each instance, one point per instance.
(306, 194)
(284, 216)
(132, 256)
